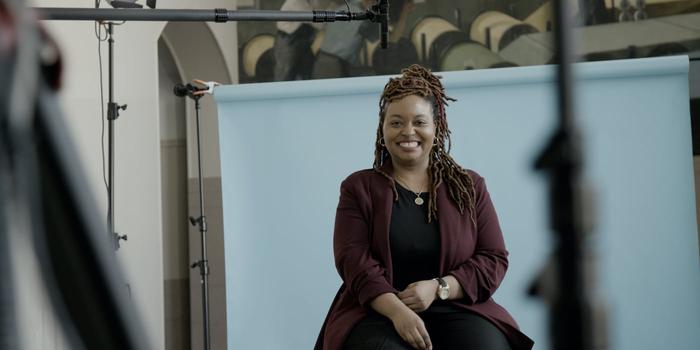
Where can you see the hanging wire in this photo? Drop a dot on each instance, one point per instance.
(98, 33)
(99, 26)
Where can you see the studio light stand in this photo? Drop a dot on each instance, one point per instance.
(192, 92)
(572, 307)
(201, 222)
(112, 115)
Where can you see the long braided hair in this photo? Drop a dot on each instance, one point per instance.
(417, 80)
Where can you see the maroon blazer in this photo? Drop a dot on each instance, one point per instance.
(477, 259)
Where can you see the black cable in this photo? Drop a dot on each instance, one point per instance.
(98, 33)
(348, 5)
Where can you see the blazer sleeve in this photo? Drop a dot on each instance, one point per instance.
(481, 274)
(361, 273)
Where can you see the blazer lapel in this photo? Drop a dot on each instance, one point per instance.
(383, 203)
(445, 219)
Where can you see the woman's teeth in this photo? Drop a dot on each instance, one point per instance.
(409, 144)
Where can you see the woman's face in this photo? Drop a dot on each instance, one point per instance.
(409, 130)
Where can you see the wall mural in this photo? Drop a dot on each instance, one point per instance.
(448, 35)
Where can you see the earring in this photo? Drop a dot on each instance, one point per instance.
(381, 142)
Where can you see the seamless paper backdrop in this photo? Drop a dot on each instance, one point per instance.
(285, 148)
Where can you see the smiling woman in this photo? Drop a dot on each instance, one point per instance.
(415, 277)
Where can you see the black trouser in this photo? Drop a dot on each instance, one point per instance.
(448, 330)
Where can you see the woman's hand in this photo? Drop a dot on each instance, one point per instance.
(419, 295)
(412, 329)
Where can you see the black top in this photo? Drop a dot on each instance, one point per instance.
(414, 243)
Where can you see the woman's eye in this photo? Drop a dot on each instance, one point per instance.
(395, 124)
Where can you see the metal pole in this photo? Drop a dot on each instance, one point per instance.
(111, 116)
(563, 39)
(571, 309)
(202, 221)
(212, 15)
(567, 323)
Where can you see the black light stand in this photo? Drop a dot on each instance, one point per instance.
(201, 222)
(43, 185)
(196, 94)
(571, 321)
(8, 314)
(112, 115)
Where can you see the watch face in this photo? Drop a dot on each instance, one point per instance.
(444, 293)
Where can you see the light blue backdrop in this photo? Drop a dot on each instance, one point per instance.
(285, 148)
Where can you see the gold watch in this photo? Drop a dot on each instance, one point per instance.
(443, 290)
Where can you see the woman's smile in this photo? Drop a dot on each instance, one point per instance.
(409, 145)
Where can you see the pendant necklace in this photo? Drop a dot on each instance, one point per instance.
(418, 200)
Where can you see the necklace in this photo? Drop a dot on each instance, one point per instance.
(418, 200)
